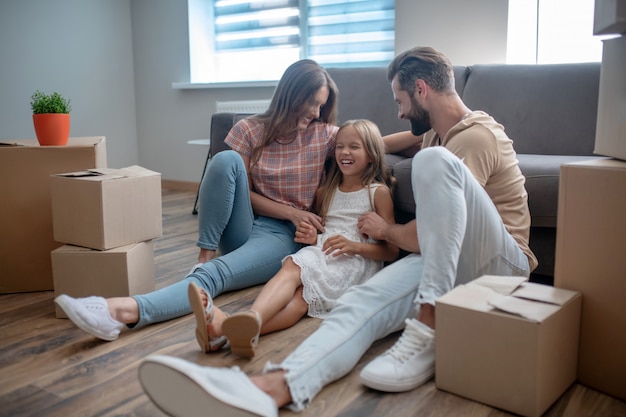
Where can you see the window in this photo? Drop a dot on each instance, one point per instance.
(255, 40)
(552, 31)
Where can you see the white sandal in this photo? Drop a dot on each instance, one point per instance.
(204, 316)
(242, 331)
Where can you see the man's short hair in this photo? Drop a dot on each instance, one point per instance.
(423, 63)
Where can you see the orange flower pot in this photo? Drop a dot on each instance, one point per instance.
(52, 129)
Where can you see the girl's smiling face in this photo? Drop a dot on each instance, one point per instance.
(350, 153)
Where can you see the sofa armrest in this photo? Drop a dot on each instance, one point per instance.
(221, 123)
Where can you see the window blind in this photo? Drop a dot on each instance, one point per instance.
(351, 32)
(332, 32)
(244, 25)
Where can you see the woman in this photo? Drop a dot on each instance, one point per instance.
(251, 200)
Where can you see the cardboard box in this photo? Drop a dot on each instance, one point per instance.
(609, 17)
(26, 237)
(106, 208)
(590, 253)
(507, 343)
(119, 272)
(611, 122)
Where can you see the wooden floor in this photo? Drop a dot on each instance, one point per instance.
(48, 367)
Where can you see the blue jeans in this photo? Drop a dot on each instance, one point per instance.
(461, 238)
(252, 247)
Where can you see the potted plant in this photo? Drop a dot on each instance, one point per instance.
(51, 118)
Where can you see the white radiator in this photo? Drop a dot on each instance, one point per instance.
(243, 106)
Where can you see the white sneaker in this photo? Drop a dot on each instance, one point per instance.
(183, 389)
(407, 364)
(91, 315)
(193, 268)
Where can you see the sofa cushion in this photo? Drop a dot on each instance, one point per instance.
(545, 109)
(403, 192)
(542, 184)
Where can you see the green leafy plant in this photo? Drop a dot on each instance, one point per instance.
(49, 103)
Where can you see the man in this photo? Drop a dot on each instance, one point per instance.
(471, 217)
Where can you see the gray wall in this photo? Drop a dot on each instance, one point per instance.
(117, 59)
(83, 50)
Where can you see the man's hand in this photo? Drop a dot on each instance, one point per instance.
(371, 225)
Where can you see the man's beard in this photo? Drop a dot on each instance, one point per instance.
(419, 118)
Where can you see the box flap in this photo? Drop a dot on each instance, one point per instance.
(99, 174)
(473, 297)
(544, 293)
(74, 249)
(137, 171)
(500, 284)
(71, 249)
(509, 295)
(532, 310)
(106, 174)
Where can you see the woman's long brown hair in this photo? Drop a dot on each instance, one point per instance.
(292, 99)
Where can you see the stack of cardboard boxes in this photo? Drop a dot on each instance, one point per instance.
(26, 238)
(99, 240)
(107, 219)
(591, 228)
(517, 345)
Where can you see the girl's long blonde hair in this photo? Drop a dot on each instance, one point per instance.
(291, 100)
(376, 172)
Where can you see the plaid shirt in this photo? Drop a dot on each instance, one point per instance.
(288, 172)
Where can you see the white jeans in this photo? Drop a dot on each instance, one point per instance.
(461, 238)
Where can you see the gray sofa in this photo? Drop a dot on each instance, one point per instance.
(548, 110)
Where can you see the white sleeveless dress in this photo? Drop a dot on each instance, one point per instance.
(326, 277)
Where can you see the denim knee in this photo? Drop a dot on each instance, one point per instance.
(225, 159)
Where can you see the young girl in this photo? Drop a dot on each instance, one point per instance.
(311, 280)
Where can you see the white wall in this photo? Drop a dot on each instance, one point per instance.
(117, 61)
(468, 32)
(167, 117)
(83, 50)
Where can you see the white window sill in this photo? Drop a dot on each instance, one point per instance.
(236, 84)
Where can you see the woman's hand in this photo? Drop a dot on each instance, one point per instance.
(305, 233)
(298, 216)
(338, 245)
